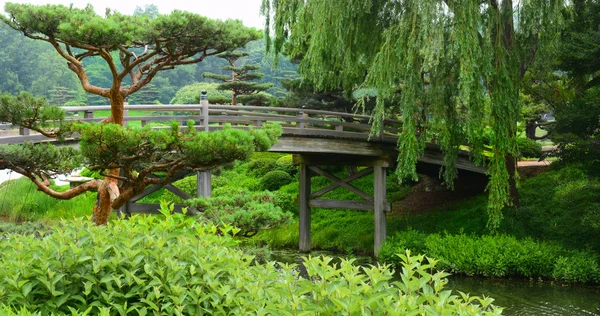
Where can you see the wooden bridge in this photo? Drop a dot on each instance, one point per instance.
(316, 138)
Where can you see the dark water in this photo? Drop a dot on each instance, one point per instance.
(517, 296)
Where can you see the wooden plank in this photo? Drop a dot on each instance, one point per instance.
(304, 214)
(153, 188)
(335, 185)
(379, 208)
(339, 160)
(347, 204)
(341, 183)
(177, 191)
(432, 156)
(338, 146)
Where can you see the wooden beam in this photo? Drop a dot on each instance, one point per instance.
(379, 211)
(336, 185)
(153, 188)
(304, 215)
(341, 183)
(339, 160)
(177, 191)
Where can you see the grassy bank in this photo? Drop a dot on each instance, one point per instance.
(559, 206)
(20, 201)
(559, 219)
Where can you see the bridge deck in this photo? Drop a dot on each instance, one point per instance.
(304, 131)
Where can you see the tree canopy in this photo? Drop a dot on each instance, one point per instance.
(433, 62)
(134, 50)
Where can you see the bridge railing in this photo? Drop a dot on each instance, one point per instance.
(293, 120)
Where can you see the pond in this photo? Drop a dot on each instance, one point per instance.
(518, 296)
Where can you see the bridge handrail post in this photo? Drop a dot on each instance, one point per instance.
(204, 110)
(301, 115)
(204, 178)
(88, 114)
(125, 113)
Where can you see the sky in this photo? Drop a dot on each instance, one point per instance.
(245, 10)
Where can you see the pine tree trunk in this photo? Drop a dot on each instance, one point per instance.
(109, 189)
(530, 129)
(107, 193)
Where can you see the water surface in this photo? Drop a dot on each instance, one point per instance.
(517, 296)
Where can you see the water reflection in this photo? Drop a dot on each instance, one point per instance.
(518, 296)
(522, 297)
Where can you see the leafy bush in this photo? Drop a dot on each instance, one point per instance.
(85, 172)
(274, 180)
(285, 164)
(579, 267)
(410, 239)
(496, 256)
(177, 266)
(37, 229)
(249, 211)
(529, 148)
(260, 167)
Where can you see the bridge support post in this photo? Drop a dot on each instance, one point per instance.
(204, 186)
(304, 216)
(379, 206)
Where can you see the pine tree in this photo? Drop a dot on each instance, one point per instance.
(61, 95)
(240, 80)
(134, 49)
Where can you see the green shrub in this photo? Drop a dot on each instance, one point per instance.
(274, 180)
(496, 256)
(85, 172)
(37, 229)
(529, 148)
(249, 211)
(260, 167)
(177, 266)
(285, 164)
(410, 239)
(580, 267)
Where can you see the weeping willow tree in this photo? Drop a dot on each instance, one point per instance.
(448, 67)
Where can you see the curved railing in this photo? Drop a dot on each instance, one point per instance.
(295, 122)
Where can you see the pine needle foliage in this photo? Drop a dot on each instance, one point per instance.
(447, 67)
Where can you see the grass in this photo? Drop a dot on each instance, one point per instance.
(20, 201)
(560, 206)
(131, 113)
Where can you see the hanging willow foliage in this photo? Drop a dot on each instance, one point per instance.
(448, 67)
